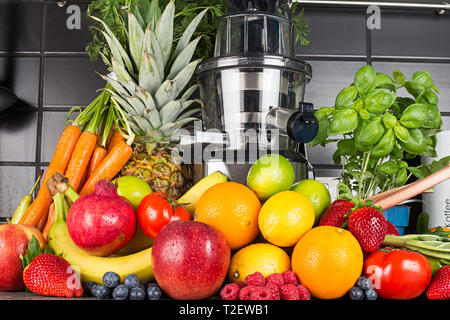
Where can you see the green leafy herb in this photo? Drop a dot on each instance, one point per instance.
(376, 130)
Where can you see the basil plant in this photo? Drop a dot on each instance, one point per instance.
(376, 130)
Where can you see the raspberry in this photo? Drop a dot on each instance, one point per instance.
(290, 277)
(245, 293)
(276, 279)
(255, 279)
(289, 292)
(303, 292)
(260, 293)
(274, 291)
(241, 284)
(230, 292)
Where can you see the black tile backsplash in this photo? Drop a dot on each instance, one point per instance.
(44, 63)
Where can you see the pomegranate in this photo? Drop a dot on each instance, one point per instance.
(103, 222)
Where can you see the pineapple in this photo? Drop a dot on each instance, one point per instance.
(150, 82)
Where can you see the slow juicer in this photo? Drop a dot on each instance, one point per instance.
(253, 91)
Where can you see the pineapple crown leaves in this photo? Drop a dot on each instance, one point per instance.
(149, 78)
(34, 249)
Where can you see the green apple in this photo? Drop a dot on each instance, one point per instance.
(132, 188)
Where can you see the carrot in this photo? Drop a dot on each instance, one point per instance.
(61, 158)
(97, 157)
(80, 158)
(117, 137)
(109, 167)
(42, 222)
(50, 221)
(109, 137)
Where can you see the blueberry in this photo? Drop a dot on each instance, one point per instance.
(88, 286)
(371, 294)
(364, 283)
(145, 283)
(101, 292)
(131, 281)
(92, 288)
(153, 292)
(136, 293)
(111, 279)
(120, 292)
(356, 293)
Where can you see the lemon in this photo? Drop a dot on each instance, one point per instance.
(317, 194)
(285, 217)
(262, 257)
(269, 175)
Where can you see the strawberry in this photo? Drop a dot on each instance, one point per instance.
(336, 214)
(391, 229)
(51, 275)
(439, 288)
(369, 226)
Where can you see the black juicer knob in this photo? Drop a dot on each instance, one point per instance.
(303, 125)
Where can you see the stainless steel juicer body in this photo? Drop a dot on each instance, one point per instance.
(252, 92)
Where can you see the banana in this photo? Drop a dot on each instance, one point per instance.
(92, 267)
(193, 194)
(139, 242)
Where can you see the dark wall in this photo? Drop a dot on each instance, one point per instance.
(44, 63)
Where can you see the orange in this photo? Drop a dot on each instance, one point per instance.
(285, 217)
(258, 257)
(328, 261)
(233, 209)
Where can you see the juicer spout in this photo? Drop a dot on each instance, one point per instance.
(300, 125)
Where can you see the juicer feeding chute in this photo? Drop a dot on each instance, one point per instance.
(253, 91)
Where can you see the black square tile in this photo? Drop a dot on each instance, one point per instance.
(62, 33)
(412, 33)
(21, 75)
(20, 26)
(15, 182)
(72, 81)
(52, 128)
(335, 32)
(439, 72)
(18, 136)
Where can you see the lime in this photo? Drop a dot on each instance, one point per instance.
(317, 194)
(132, 188)
(269, 175)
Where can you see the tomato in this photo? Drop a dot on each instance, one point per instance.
(156, 210)
(398, 274)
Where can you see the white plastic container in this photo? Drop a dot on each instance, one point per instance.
(437, 204)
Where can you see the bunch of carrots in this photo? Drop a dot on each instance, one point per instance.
(91, 148)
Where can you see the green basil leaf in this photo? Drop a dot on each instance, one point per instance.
(385, 82)
(422, 79)
(402, 177)
(344, 121)
(415, 145)
(431, 97)
(437, 165)
(364, 114)
(385, 145)
(396, 153)
(431, 132)
(378, 100)
(346, 147)
(419, 174)
(346, 97)
(401, 132)
(322, 133)
(413, 88)
(414, 116)
(365, 79)
(421, 115)
(399, 77)
(370, 132)
(322, 113)
(389, 120)
(389, 167)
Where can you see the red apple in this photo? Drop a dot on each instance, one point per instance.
(102, 222)
(190, 260)
(14, 239)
